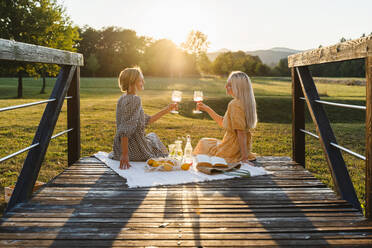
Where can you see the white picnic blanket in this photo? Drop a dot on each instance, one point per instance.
(138, 176)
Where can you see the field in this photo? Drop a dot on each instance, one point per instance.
(98, 101)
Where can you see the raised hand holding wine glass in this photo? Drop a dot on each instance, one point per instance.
(176, 98)
(198, 97)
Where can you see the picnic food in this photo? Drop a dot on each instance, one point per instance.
(162, 164)
(167, 167)
(185, 166)
(152, 162)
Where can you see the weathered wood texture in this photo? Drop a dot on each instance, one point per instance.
(88, 205)
(333, 155)
(298, 120)
(73, 119)
(31, 167)
(18, 51)
(354, 49)
(369, 138)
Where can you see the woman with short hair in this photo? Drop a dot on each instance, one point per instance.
(131, 142)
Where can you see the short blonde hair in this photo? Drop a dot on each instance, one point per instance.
(242, 88)
(129, 77)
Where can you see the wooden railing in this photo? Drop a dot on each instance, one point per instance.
(66, 87)
(304, 89)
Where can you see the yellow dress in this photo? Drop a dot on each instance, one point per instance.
(229, 147)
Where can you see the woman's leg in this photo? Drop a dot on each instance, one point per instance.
(206, 146)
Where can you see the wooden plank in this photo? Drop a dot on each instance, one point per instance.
(267, 224)
(184, 208)
(193, 219)
(146, 204)
(189, 236)
(179, 215)
(353, 49)
(18, 51)
(195, 193)
(333, 155)
(177, 202)
(298, 120)
(184, 230)
(35, 156)
(231, 199)
(368, 180)
(73, 119)
(321, 242)
(183, 243)
(89, 161)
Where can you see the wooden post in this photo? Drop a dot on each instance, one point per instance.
(20, 86)
(335, 161)
(368, 207)
(73, 119)
(31, 167)
(298, 120)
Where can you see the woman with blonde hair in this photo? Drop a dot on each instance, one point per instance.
(239, 119)
(131, 142)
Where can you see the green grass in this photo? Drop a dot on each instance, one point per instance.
(98, 101)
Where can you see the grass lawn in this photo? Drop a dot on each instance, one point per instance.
(98, 101)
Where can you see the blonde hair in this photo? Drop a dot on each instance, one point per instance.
(129, 77)
(243, 91)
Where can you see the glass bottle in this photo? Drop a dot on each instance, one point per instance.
(188, 151)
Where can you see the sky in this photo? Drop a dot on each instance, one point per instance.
(232, 24)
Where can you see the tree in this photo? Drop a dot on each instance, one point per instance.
(39, 22)
(204, 64)
(196, 43)
(262, 70)
(114, 48)
(239, 61)
(92, 64)
(282, 68)
(164, 58)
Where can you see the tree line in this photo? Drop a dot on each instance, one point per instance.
(110, 49)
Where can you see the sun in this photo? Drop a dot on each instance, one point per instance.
(173, 20)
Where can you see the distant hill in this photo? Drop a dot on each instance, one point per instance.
(269, 57)
(213, 56)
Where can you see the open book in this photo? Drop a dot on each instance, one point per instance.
(208, 161)
(214, 165)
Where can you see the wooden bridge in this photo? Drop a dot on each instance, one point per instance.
(89, 205)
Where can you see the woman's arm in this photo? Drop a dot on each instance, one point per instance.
(162, 112)
(242, 139)
(124, 159)
(211, 112)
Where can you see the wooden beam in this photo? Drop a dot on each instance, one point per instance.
(368, 207)
(336, 163)
(73, 119)
(18, 51)
(354, 49)
(298, 120)
(31, 167)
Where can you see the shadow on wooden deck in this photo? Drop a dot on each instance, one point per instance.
(88, 205)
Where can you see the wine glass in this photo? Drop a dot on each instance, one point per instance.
(198, 97)
(172, 152)
(176, 97)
